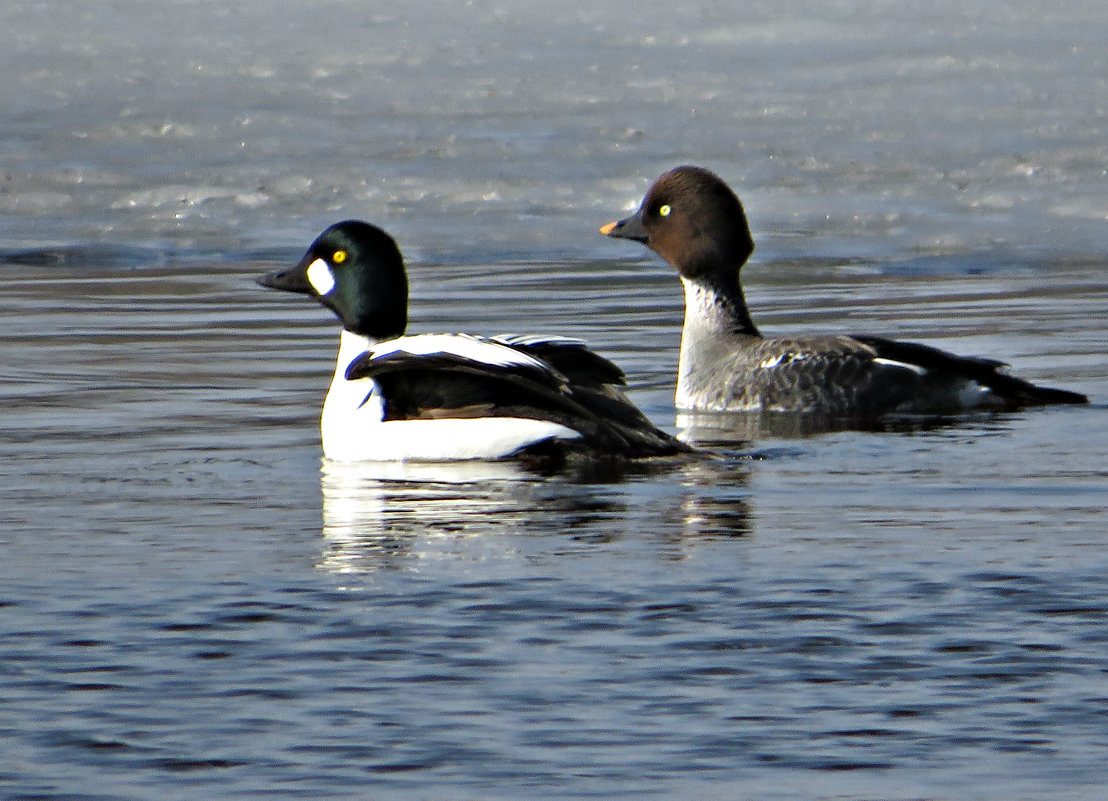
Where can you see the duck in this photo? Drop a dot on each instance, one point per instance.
(696, 223)
(453, 397)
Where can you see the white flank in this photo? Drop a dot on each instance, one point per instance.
(474, 349)
(320, 277)
(449, 440)
(353, 428)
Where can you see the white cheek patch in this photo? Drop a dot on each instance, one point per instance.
(320, 277)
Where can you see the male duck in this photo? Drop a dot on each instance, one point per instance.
(697, 224)
(449, 397)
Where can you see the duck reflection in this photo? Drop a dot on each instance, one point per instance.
(714, 500)
(741, 430)
(380, 516)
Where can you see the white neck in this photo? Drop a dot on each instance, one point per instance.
(346, 406)
(715, 319)
(351, 346)
(706, 322)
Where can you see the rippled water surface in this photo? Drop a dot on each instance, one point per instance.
(194, 605)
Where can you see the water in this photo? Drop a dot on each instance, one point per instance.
(193, 605)
(850, 128)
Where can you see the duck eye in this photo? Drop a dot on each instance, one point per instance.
(664, 210)
(338, 257)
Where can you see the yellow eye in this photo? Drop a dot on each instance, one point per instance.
(664, 211)
(339, 257)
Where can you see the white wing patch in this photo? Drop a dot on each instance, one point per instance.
(771, 362)
(782, 358)
(525, 340)
(915, 368)
(475, 349)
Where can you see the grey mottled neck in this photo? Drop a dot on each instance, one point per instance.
(716, 318)
(716, 309)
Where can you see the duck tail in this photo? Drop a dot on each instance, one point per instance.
(1024, 393)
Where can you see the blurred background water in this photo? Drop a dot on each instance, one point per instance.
(193, 605)
(849, 128)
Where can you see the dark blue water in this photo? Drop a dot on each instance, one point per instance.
(193, 605)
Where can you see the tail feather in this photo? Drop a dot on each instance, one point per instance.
(987, 372)
(1024, 393)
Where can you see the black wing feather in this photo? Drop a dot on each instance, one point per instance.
(446, 385)
(987, 372)
(570, 357)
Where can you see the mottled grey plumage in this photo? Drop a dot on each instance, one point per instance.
(697, 224)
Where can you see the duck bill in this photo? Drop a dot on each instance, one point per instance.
(294, 279)
(631, 228)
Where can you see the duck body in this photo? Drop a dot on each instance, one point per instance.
(452, 397)
(429, 417)
(697, 224)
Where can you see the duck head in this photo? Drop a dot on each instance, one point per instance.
(693, 220)
(356, 270)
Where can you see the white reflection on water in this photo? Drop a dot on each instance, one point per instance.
(379, 514)
(396, 515)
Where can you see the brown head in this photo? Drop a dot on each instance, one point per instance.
(693, 220)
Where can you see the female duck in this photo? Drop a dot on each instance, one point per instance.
(448, 397)
(697, 224)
